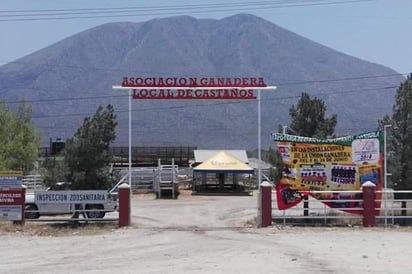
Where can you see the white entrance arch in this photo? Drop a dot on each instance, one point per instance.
(205, 88)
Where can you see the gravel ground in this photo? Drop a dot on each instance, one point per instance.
(202, 234)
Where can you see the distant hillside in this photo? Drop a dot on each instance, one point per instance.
(68, 80)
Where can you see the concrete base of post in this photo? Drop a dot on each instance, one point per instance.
(124, 205)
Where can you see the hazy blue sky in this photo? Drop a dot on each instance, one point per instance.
(377, 30)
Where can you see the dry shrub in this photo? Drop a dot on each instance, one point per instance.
(251, 222)
(57, 229)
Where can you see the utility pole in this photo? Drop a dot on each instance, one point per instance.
(305, 199)
(385, 171)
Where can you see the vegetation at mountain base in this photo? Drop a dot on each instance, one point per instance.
(308, 118)
(85, 160)
(400, 137)
(19, 138)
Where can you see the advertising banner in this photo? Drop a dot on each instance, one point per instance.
(11, 201)
(11, 197)
(71, 197)
(10, 213)
(10, 179)
(340, 164)
(209, 88)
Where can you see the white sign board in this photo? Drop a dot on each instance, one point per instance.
(71, 197)
(10, 179)
(365, 150)
(10, 213)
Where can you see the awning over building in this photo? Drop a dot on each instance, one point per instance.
(202, 155)
(223, 162)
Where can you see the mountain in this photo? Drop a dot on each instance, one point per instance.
(68, 80)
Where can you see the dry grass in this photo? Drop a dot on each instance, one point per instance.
(56, 229)
(251, 222)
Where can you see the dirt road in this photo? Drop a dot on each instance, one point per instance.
(200, 234)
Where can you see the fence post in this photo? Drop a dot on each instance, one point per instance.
(124, 205)
(266, 192)
(369, 215)
(23, 203)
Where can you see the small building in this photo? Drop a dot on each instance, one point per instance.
(225, 171)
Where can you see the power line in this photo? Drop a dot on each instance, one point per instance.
(78, 11)
(280, 84)
(65, 99)
(157, 7)
(161, 10)
(167, 73)
(85, 11)
(238, 4)
(339, 79)
(323, 94)
(126, 95)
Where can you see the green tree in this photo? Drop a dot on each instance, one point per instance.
(400, 141)
(275, 159)
(53, 170)
(308, 118)
(387, 120)
(87, 154)
(19, 138)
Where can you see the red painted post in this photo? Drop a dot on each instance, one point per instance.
(369, 213)
(124, 205)
(23, 204)
(266, 190)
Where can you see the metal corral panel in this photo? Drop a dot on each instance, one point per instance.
(202, 155)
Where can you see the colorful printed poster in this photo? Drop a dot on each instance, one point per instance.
(287, 197)
(330, 165)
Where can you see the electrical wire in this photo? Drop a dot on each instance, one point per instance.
(197, 106)
(263, 4)
(70, 14)
(280, 84)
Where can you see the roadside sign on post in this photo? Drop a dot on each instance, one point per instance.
(11, 204)
(10, 179)
(11, 196)
(71, 197)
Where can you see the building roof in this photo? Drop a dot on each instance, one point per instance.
(202, 155)
(223, 162)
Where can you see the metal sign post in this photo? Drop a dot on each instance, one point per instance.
(259, 181)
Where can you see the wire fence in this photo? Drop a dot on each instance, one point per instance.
(392, 207)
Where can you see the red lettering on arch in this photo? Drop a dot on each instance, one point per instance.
(194, 87)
